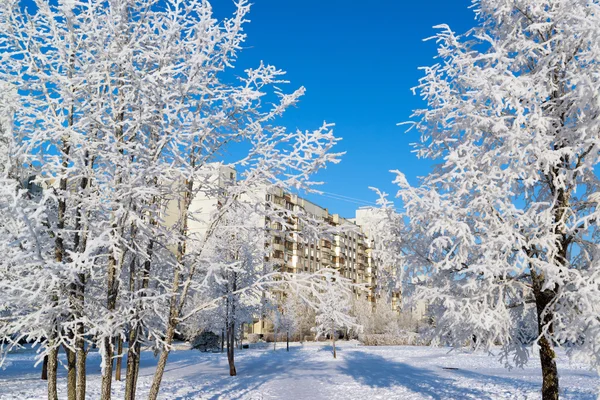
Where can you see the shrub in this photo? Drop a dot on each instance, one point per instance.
(206, 341)
(253, 338)
(402, 339)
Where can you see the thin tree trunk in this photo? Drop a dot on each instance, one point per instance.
(222, 339)
(133, 362)
(71, 373)
(52, 369)
(45, 369)
(133, 353)
(80, 352)
(106, 388)
(287, 341)
(176, 307)
(160, 367)
(79, 245)
(333, 339)
(59, 253)
(174, 312)
(81, 370)
(131, 365)
(131, 340)
(231, 348)
(242, 336)
(136, 372)
(119, 359)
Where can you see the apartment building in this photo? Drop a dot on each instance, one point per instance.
(344, 246)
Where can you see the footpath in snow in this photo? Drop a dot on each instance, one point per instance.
(310, 372)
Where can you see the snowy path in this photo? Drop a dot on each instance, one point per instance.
(309, 372)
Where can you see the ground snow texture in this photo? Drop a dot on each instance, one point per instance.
(310, 372)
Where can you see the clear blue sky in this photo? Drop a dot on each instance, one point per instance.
(358, 61)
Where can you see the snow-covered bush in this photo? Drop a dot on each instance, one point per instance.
(253, 338)
(398, 339)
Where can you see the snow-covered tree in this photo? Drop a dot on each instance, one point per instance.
(505, 229)
(234, 259)
(385, 319)
(333, 308)
(383, 226)
(362, 311)
(291, 317)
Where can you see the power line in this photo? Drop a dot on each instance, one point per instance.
(347, 199)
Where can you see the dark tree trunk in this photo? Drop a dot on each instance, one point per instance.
(543, 300)
(119, 359)
(287, 341)
(132, 359)
(136, 372)
(231, 348)
(231, 326)
(333, 339)
(222, 339)
(45, 369)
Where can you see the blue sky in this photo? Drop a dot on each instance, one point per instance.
(358, 61)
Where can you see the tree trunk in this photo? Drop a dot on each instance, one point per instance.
(550, 388)
(333, 339)
(222, 339)
(162, 362)
(174, 312)
(133, 352)
(543, 301)
(45, 369)
(119, 359)
(71, 374)
(132, 359)
(231, 348)
(287, 341)
(136, 372)
(132, 363)
(81, 370)
(52, 369)
(108, 368)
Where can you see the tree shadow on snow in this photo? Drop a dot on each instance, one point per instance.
(212, 381)
(378, 372)
(522, 384)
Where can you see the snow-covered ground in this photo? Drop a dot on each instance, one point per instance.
(310, 372)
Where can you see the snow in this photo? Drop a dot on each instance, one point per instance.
(309, 372)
